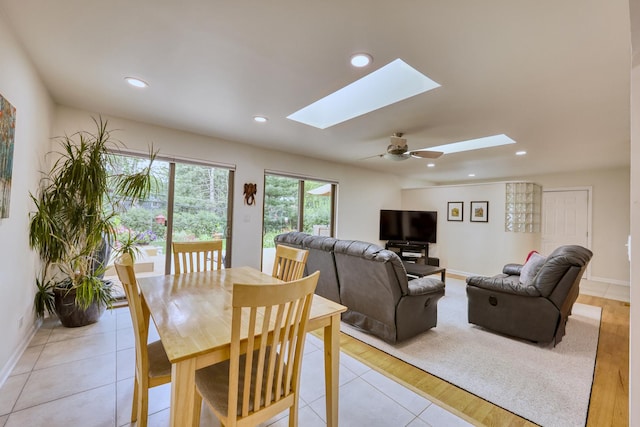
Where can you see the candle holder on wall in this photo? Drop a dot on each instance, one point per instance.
(250, 190)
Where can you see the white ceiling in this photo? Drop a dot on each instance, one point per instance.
(553, 75)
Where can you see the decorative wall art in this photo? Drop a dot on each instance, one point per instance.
(479, 212)
(455, 211)
(7, 133)
(250, 190)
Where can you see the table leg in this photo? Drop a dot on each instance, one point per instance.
(331, 368)
(183, 394)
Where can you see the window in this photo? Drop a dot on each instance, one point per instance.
(295, 204)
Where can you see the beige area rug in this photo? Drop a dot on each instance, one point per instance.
(546, 385)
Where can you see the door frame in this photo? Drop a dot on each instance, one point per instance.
(589, 191)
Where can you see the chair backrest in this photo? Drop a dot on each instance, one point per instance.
(373, 301)
(274, 319)
(559, 277)
(138, 309)
(289, 263)
(197, 256)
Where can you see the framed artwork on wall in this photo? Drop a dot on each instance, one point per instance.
(455, 211)
(7, 133)
(479, 212)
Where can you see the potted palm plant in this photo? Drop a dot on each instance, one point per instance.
(72, 229)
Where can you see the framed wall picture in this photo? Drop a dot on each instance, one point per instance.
(7, 131)
(479, 212)
(455, 211)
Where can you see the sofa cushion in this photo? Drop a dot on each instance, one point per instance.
(425, 285)
(292, 238)
(531, 268)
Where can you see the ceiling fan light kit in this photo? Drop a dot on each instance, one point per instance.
(398, 150)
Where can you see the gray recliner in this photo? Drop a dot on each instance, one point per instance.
(378, 295)
(537, 310)
(372, 282)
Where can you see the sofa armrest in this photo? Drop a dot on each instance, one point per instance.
(425, 286)
(512, 269)
(506, 284)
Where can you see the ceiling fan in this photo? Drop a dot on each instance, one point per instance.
(398, 150)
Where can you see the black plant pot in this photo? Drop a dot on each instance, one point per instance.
(70, 314)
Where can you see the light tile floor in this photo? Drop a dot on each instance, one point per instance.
(606, 290)
(84, 377)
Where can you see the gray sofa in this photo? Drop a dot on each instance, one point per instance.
(372, 282)
(536, 310)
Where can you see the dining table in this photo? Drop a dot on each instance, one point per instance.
(192, 314)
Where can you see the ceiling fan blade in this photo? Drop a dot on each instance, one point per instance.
(377, 156)
(396, 157)
(426, 154)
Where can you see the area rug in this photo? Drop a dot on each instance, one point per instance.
(547, 385)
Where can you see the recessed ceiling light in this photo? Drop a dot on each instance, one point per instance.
(392, 83)
(473, 144)
(431, 165)
(135, 82)
(472, 175)
(361, 60)
(521, 153)
(260, 119)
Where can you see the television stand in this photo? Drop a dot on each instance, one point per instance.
(417, 252)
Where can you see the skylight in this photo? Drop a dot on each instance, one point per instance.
(392, 83)
(473, 144)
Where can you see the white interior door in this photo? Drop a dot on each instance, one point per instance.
(565, 219)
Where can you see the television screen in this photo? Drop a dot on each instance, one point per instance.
(408, 226)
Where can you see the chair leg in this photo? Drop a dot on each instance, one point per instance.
(134, 403)
(143, 404)
(197, 407)
(293, 414)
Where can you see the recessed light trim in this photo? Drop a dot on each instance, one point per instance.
(260, 119)
(392, 83)
(136, 82)
(431, 165)
(360, 60)
(474, 144)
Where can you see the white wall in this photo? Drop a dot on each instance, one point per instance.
(471, 247)
(611, 218)
(20, 85)
(361, 193)
(634, 320)
(480, 248)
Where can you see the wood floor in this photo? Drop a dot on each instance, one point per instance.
(609, 405)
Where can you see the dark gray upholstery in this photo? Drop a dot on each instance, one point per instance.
(538, 311)
(320, 259)
(372, 282)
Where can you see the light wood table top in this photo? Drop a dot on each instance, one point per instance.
(192, 313)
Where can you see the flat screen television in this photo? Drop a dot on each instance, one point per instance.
(408, 226)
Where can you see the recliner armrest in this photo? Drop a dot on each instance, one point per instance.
(425, 286)
(512, 269)
(503, 284)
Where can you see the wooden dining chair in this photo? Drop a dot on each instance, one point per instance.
(152, 365)
(262, 376)
(197, 256)
(289, 263)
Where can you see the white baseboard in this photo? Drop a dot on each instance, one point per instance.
(610, 281)
(17, 354)
(461, 273)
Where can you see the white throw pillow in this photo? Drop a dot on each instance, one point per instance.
(531, 267)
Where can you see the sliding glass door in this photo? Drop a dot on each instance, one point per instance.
(201, 205)
(295, 204)
(190, 202)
